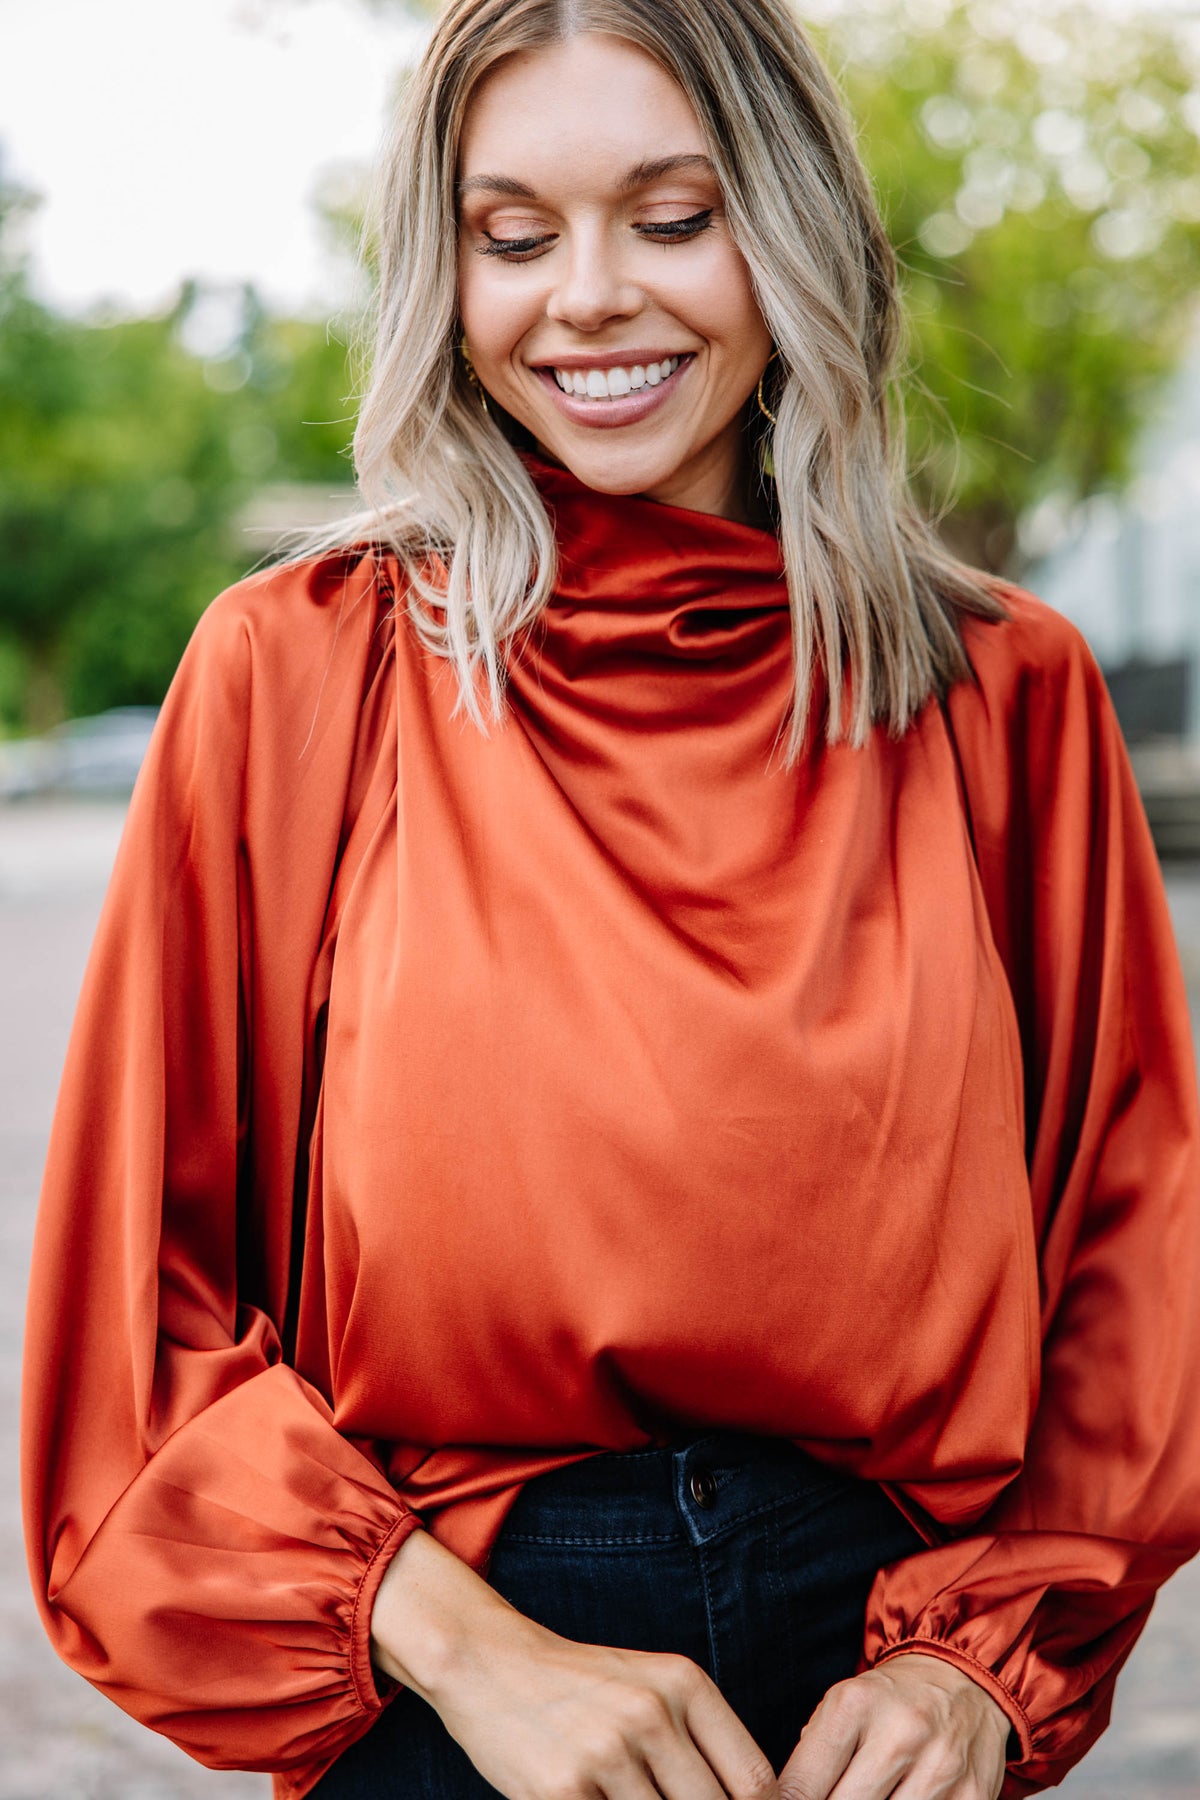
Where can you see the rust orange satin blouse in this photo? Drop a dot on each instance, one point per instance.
(442, 1108)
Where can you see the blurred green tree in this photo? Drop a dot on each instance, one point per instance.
(116, 489)
(127, 448)
(1039, 171)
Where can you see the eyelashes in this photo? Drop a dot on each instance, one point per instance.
(523, 249)
(680, 228)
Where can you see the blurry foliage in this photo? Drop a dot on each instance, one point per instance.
(127, 448)
(1039, 171)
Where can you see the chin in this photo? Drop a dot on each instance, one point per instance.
(611, 469)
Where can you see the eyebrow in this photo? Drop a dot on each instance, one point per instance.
(641, 175)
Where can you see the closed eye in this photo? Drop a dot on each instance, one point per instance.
(690, 227)
(670, 230)
(514, 247)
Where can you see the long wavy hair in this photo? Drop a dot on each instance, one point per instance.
(874, 595)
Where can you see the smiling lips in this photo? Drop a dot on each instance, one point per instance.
(614, 383)
(604, 391)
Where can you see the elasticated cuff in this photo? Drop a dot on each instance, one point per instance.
(371, 1686)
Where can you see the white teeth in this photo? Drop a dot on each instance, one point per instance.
(613, 384)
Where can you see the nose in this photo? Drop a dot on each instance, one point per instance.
(591, 285)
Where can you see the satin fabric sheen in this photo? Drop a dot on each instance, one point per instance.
(442, 1108)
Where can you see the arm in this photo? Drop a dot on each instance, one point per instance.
(1043, 1601)
(204, 1544)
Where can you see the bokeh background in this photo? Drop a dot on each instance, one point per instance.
(182, 188)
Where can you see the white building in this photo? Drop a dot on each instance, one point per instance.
(1127, 572)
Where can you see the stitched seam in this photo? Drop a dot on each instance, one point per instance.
(741, 1518)
(755, 1512)
(713, 1653)
(372, 1705)
(531, 1537)
(774, 1554)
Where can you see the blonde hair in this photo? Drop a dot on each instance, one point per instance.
(873, 593)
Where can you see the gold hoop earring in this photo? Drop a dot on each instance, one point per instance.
(472, 377)
(763, 408)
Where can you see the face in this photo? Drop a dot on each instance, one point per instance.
(605, 304)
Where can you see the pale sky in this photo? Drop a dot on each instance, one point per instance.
(186, 137)
(175, 137)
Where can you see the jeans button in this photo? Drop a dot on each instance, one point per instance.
(704, 1488)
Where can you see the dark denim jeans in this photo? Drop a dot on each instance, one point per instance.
(738, 1551)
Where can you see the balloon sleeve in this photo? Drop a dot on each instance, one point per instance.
(1044, 1597)
(205, 1544)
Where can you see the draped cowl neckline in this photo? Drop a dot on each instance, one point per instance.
(654, 686)
(682, 550)
(643, 584)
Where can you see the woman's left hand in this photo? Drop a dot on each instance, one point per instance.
(913, 1728)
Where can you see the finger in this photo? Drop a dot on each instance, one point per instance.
(889, 1763)
(945, 1767)
(886, 1758)
(826, 1749)
(725, 1748)
(632, 1784)
(871, 1778)
(945, 1774)
(678, 1771)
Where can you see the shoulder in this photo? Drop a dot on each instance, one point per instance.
(1032, 668)
(1035, 647)
(281, 617)
(287, 643)
(265, 708)
(1035, 729)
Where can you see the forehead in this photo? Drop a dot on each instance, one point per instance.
(587, 108)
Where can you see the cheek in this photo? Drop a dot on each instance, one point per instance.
(495, 313)
(717, 301)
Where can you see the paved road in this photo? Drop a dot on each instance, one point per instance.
(59, 1740)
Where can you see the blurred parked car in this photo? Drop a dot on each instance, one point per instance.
(99, 755)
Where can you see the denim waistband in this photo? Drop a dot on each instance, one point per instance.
(706, 1483)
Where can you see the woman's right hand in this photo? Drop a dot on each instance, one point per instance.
(545, 1718)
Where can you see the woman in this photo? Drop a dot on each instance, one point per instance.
(619, 1244)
